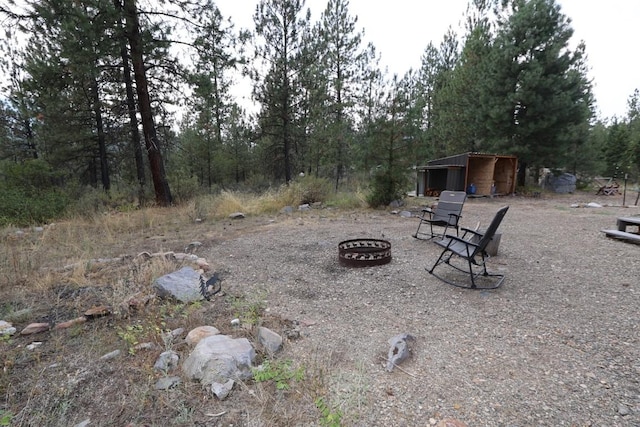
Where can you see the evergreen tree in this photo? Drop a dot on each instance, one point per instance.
(392, 145)
(369, 109)
(211, 101)
(280, 30)
(459, 124)
(439, 71)
(538, 92)
(340, 66)
(633, 118)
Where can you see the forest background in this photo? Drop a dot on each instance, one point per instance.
(127, 103)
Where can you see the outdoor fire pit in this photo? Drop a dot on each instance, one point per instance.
(364, 252)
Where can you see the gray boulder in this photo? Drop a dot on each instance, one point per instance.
(183, 285)
(219, 358)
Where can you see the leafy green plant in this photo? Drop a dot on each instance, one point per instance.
(248, 311)
(279, 372)
(5, 417)
(131, 336)
(330, 417)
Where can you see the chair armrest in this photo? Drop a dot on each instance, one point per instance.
(470, 230)
(427, 212)
(456, 217)
(453, 238)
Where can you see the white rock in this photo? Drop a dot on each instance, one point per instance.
(7, 328)
(34, 345)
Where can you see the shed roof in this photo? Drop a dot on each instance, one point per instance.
(459, 160)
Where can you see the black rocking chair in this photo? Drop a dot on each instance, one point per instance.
(446, 214)
(470, 249)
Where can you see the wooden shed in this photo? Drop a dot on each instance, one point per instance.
(459, 172)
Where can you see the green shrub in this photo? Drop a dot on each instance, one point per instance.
(387, 186)
(22, 208)
(29, 193)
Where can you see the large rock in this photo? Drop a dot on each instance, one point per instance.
(219, 358)
(183, 285)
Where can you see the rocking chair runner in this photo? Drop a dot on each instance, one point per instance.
(446, 214)
(471, 251)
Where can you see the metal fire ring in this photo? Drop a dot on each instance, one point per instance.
(364, 252)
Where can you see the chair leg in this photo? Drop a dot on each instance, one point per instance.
(445, 258)
(418, 229)
(473, 281)
(437, 262)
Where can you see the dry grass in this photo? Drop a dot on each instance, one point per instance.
(56, 273)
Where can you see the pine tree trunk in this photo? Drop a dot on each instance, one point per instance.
(160, 183)
(102, 147)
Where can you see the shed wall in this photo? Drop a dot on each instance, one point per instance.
(458, 172)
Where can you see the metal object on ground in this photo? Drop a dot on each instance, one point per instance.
(364, 252)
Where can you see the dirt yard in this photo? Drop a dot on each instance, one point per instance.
(556, 345)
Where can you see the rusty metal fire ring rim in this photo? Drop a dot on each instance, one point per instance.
(364, 252)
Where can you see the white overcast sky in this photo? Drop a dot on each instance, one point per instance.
(402, 29)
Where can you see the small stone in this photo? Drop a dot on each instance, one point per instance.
(34, 345)
(138, 300)
(399, 350)
(222, 390)
(144, 346)
(166, 361)
(97, 311)
(235, 322)
(195, 335)
(180, 256)
(111, 355)
(623, 410)
(269, 339)
(35, 328)
(192, 247)
(166, 383)
(203, 264)
(70, 323)
(84, 423)
(6, 328)
(237, 215)
(450, 422)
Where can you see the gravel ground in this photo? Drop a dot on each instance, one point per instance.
(556, 345)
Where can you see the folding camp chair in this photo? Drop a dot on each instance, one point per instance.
(467, 254)
(446, 214)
